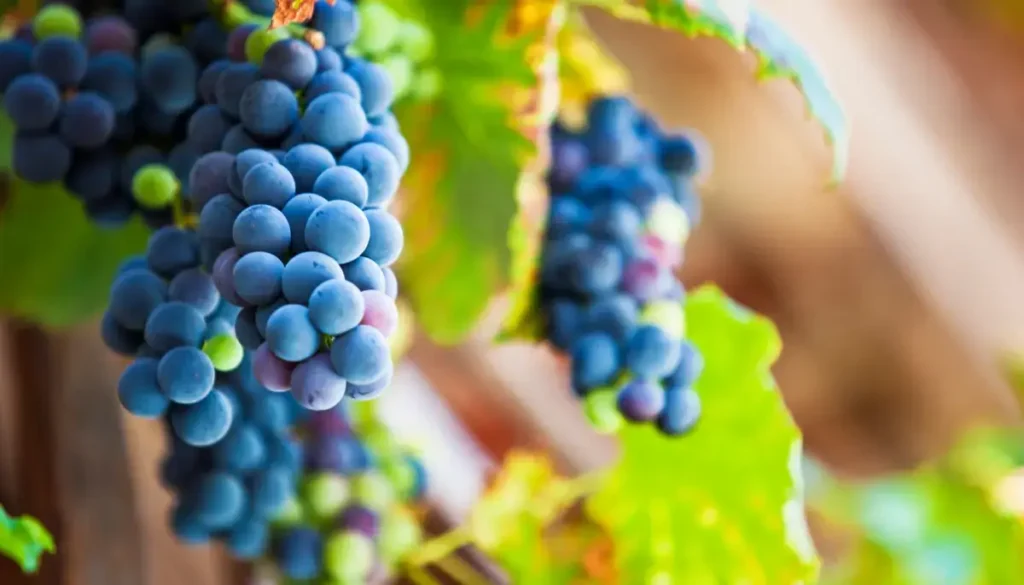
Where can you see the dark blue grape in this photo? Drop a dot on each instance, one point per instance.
(138, 391)
(40, 158)
(257, 277)
(94, 175)
(394, 142)
(641, 400)
(169, 76)
(678, 155)
(361, 355)
(327, 59)
(268, 108)
(209, 177)
(334, 121)
(339, 22)
(134, 296)
(204, 423)
(232, 83)
(248, 538)
(299, 552)
(338, 229)
(681, 411)
(336, 306)
(171, 250)
(118, 338)
(262, 228)
(290, 334)
(365, 274)
(333, 81)
(207, 127)
(315, 384)
(376, 87)
(306, 163)
(291, 62)
(16, 60)
(342, 183)
(380, 169)
(242, 450)
(373, 389)
(236, 140)
(595, 362)
(218, 500)
(207, 85)
(185, 375)
(62, 59)
(271, 489)
(268, 183)
(386, 237)
(244, 162)
(651, 353)
(305, 272)
(32, 102)
(174, 324)
(87, 120)
(688, 369)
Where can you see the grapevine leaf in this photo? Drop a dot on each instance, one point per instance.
(24, 539)
(292, 11)
(459, 193)
(55, 265)
(585, 69)
(724, 504)
(745, 27)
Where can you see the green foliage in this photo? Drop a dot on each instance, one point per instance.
(55, 265)
(940, 523)
(459, 194)
(724, 504)
(745, 27)
(24, 540)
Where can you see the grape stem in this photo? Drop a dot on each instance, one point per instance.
(233, 14)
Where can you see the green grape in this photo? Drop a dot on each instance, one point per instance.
(379, 28)
(373, 491)
(602, 411)
(324, 495)
(415, 41)
(400, 474)
(260, 40)
(378, 438)
(154, 186)
(289, 514)
(57, 20)
(348, 555)
(669, 222)
(399, 69)
(225, 351)
(399, 534)
(427, 85)
(667, 315)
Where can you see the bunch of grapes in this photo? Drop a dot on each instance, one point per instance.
(352, 523)
(233, 490)
(404, 48)
(608, 290)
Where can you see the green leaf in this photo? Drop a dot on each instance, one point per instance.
(458, 197)
(724, 504)
(24, 539)
(55, 265)
(745, 27)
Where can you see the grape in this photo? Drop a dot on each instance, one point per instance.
(271, 489)
(641, 400)
(236, 41)
(181, 160)
(231, 85)
(242, 449)
(290, 61)
(268, 108)
(225, 351)
(386, 237)
(299, 553)
(336, 306)
(399, 534)
(223, 276)
(616, 221)
(679, 155)
(390, 283)
(138, 391)
(170, 76)
(327, 59)
(380, 169)
(32, 102)
(219, 500)
(257, 277)
(332, 81)
(56, 20)
(315, 385)
(365, 274)
(349, 554)
(651, 354)
(306, 163)
(207, 40)
(334, 121)
(205, 422)
(171, 250)
(291, 335)
(244, 162)
(339, 22)
(595, 362)
(614, 315)
(185, 375)
(380, 312)
(262, 228)
(259, 41)
(681, 411)
(373, 491)
(264, 312)
(15, 61)
(248, 539)
(110, 33)
(207, 84)
(209, 177)
(40, 158)
(361, 355)
(272, 372)
(154, 186)
(268, 183)
(688, 368)
(375, 84)
(237, 139)
(119, 339)
(207, 128)
(134, 296)
(338, 229)
(394, 142)
(174, 325)
(374, 388)
(360, 519)
(187, 527)
(305, 272)
(598, 269)
(342, 184)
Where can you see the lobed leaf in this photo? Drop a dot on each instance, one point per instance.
(24, 540)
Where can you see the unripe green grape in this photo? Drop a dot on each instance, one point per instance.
(225, 351)
(348, 556)
(399, 535)
(260, 40)
(400, 474)
(426, 85)
(373, 491)
(379, 28)
(324, 495)
(289, 514)
(415, 41)
(57, 20)
(667, 315)
(602, 411)
(399, 69)
(154, 186)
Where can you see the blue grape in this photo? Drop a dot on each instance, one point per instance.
(681, 411)
(333, 81)
(565, 320)
(246, 331)
(334, 121)
(596, 361)
(241, 450)
(257, 277)
(268, 108)
(236, 139)
(339, 22)
(268, 183)
(678, 155)
(394, 142)
(207, 40)
(641, 400)
(207, 85)
(336, 306)
(40, 158)
(138, 391)
(614, 315)
(62, 59)
(365, 274)
(209, 177)
(173, 325)
(598, 269)
(94, 175)
(113, 76)
(170, 76)
(248, 538)
(186, 526)
(688, 368)
(218, 500)
(315, 384)
(290, 334)
(271, 488)
(263, 313)
(181, 159)
(232, 83)
(270, 411)
(32, 102)
(218, 219)
(204, 423)
(87, 120)
(327, 59)
(338, 229)
(386, 237)
(617, 221)
(342, 183)
(262, 228)
(390, 283)
(112, 211)
(651, 353)
(380, 169)
(185, 375)
(119, 338)
(306, 163)
(376, 87)
(361, 355)
(134, 296)
(15, 61)
(299, 553)
(171, 250)
(244, 162)
(207, 128)
(291, 62)
(373, 389)
(305, 272)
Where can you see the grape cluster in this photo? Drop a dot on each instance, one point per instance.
(617, 223)
(404, 49)
(233, 490)
(352, 523)
(165, 312)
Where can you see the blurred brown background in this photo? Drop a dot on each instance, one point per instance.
(894, 295)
